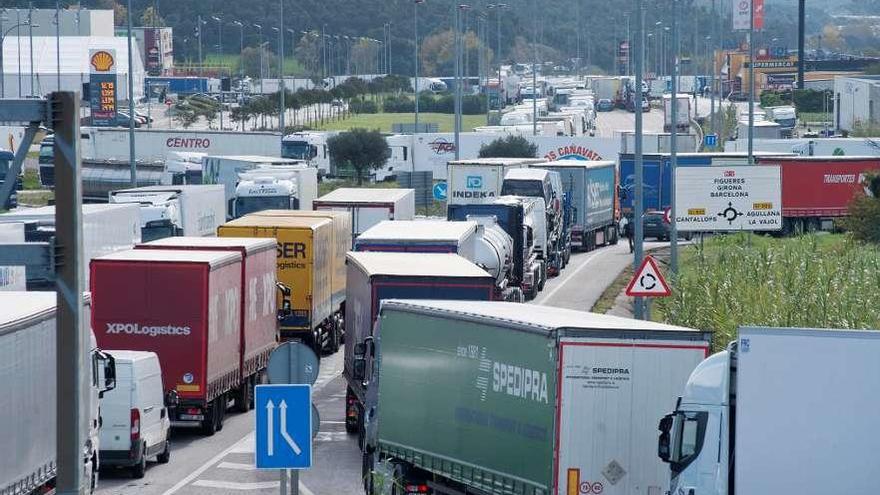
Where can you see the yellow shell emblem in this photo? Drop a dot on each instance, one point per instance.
(102, 61)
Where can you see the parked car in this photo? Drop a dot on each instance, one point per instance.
(655, 226)
(738, 96)
(134, 420)
(604, 105)
(122, 120)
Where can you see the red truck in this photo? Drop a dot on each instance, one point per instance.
(259, 324)
(186, 307)
(817, 190)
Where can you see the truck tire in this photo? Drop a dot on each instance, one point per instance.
(367, 472)
(221, 411)
(398, 481)
(334, 338)
(139, 470)
(352, 425)
(243, 396)
(209, 424)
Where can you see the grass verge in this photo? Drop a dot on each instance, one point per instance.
(819, 281)
(384, 121)
(606, 300)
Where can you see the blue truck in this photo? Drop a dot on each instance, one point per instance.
(178, 85)
(6, 158)
(589, 187)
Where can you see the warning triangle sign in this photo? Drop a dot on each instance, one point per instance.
(648, 281)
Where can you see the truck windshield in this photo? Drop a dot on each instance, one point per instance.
(528, 188)
(299, 150)
(47, 153)
(243, 206)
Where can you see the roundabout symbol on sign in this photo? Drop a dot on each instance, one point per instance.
(730, 213)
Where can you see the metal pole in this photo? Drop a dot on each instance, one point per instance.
(57, 45)
(751, 81)
(628, 66)
(284, 481)
(639, 303)
(498, 19)
(711, 52)
(323, 55)
(801, 53)
(199, 34)
(131, 151)
(577, 38)
(535, 73)
(18, 41)
(457, 77)
(416, 60)
(294, 481)
(71, 336)
(31, 44)
(281, 65)
(673, 145)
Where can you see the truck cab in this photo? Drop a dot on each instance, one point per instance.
(308, 146)
(275, 187)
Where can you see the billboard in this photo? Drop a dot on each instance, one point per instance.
(741, 198)
(103, 88)
(742, 9)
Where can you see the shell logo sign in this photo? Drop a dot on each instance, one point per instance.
(102, 61)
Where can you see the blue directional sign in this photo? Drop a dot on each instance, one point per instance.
(284, 426)
(711, 140)
(440, 191)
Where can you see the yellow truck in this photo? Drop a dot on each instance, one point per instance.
(305, 268)
(341, 245)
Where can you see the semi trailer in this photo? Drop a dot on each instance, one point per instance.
(369, 206)
(165, 211)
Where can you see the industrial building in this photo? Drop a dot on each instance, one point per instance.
(856, 101)
(19, 80)
(74, 22)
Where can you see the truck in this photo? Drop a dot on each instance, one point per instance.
(310, 147)
(420, 236)
(606, 88)
(258, 311)
(683, 112)
(105, 229)
(732, 421)
(817, 190)
(547, 186)
(376, 277)
(479, 180)
(28, 421)
(275, 187)
(306, 259)
(185, 306)
(341, 244)
(176, 210)
(227, 170)
(369, 206)
(544, 401)
(155, 145)
(179, 85)
(591, 189)
(785, 116)
(522, 220)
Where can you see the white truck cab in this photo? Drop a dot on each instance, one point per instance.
(308, 146)
(275, 188)
(135, 422)
(166, 211)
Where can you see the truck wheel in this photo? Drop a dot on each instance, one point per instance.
(334, 339)
(367, 472)
(209, 424)
(243, 397)
(165, 456)
(221, 411)
(139, 470)
(398, 481)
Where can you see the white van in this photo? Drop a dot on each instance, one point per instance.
(134, 420)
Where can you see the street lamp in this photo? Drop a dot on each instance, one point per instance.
(458, 89)
(220, 35)
(240, 50)
(3, 78)
(498, 8)
(260, 44)
(198, 33)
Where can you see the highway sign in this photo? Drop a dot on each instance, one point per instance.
(440, 191)
(293, 362)
(710, 140)
(283, 426)
(728, 198)
(648, 281)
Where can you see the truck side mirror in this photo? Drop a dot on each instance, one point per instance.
(172, 399)
(360, 368)
(109, 370)
(286, 307)
(663, 446)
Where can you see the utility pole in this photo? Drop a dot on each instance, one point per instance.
(673, 138)
(751, 82)
(577, 38)
(283, 85)
(714, 68)
(57, 45)
(535, 72)
(416, 62)
(131, 151)
(31, 44)
(801, 54)
(199, 25)
(638, 208)
(457, 56)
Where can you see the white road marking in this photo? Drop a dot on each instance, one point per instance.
(204, 467)
(567, 277)
(332, 436)
(232, 485)
(246, 445)
(237, 465)
(329, 422)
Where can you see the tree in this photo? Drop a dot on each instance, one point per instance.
(360, 150)
(863, 221)
(186, 117)
(151, 17)
(509, 147)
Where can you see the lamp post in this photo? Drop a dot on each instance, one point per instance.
(673, 139)
(416, 4)
(131, 147)
(220, 54)
(281, 74)
(57, 45)
(498, 8)
(535, 72)
(2, 77)
(240, 49)
(198, 33)
(458, 89)
(260, 45)
(31, 44)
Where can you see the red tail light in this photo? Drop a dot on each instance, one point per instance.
(416, 488)
(135, 425)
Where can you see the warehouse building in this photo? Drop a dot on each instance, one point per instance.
(74, 22)
(18, 80)
(856, 102)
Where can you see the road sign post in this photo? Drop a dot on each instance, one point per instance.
(440, 191)
(284, 430)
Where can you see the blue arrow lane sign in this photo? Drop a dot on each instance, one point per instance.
(284, 426)
(440, 191)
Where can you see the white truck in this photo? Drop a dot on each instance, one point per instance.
(28, 380)
(106, 229)
(479, 180)
(369, 206)
(167, 211)
(12, 278)
(227, 170)
(606, 88)
(683, 112)
(310, 147)
(269, 187)
(785, 116)
(156, 145)
(779, 411)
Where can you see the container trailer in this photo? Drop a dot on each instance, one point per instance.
(420, 236)
(227, 170)
(306, 258)
(259, 323)
(186, 307)
(375, 277)
(483, 397)
(479, 180)
(176, 210)
(28, 384)
(781, 410)
(591, 189)
(369, 206)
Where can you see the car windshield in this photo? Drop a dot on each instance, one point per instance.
(246, 205)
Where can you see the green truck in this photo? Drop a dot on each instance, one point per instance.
(476, 397)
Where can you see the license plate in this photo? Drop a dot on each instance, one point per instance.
(191, 417)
